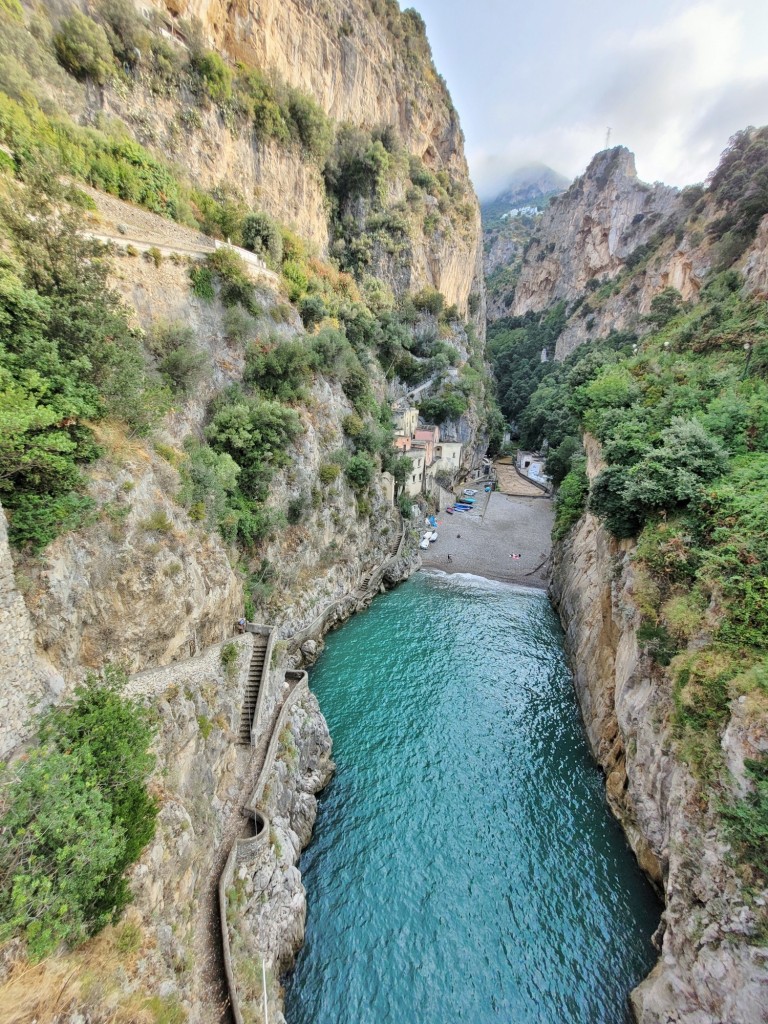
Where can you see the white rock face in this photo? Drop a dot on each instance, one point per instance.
(709, 971)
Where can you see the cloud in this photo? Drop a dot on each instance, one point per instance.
(673, 93)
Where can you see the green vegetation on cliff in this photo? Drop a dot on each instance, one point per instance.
(97, 366)
(67, 357)
(74, 814)
(682, 424)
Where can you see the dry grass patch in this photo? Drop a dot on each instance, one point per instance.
(93, 981)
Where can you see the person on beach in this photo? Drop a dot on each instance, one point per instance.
(449, 558)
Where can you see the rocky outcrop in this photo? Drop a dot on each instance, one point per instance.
(756, 262)
(589, 231)
(364, 68)
(712, 967)
(34, 681)
(679, 265)
(143, 585)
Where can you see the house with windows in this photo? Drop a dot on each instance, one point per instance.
(405, 418)
(449, 454)
(414, 482)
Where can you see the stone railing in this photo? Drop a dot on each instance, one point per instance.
(243, 849)
(262, 712)
(186, 672)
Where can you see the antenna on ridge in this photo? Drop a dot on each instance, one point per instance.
(607, 138)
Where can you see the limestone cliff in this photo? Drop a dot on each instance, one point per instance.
(589, 231)
(367, 65)
(712, 967)
(610, 244)
(152, 579)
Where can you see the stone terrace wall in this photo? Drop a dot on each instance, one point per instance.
(194, 673)
(25, 679)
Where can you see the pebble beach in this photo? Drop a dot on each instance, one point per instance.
(483, 542)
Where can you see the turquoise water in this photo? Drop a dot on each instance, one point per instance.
(464, 865)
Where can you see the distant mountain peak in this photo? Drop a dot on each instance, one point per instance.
(530, 182)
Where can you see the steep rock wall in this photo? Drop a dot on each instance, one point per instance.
(33, 680)
(362, 68)
(589, 231)
(610, 244)
(709, 971)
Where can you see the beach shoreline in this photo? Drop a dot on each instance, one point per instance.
(482, 543)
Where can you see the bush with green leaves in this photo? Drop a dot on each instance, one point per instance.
(571, 498)
(312, 127)
(312, 310)
(82, 47)
(74, 815)
(261, 234)
(201, 279)
(257, 434)
(235, 282)
(747, 818)
(128, 37)
(740, 185)
(449, 404)
(214, 75)
(179, 360)
(359, 471)
(67, 356)
(668, 477)
(429, 300)
(209, 480)
(328, 473)
(279, 368)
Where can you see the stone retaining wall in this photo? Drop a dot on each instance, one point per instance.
(192, 673)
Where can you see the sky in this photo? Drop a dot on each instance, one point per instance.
(673, 79)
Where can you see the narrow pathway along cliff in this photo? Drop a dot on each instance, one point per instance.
(210, 959)
(124, 225)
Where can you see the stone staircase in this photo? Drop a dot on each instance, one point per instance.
(256, 673)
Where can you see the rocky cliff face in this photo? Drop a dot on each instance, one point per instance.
(367, 65)
(34, 680)
(149, 584)
(610, 244)
(589, 231)
(709, 970)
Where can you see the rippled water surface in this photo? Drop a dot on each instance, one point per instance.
(464, 866)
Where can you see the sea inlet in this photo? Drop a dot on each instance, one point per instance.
(464, 866)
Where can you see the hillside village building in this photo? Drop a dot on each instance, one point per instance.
(430, 457)
(414, 483)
